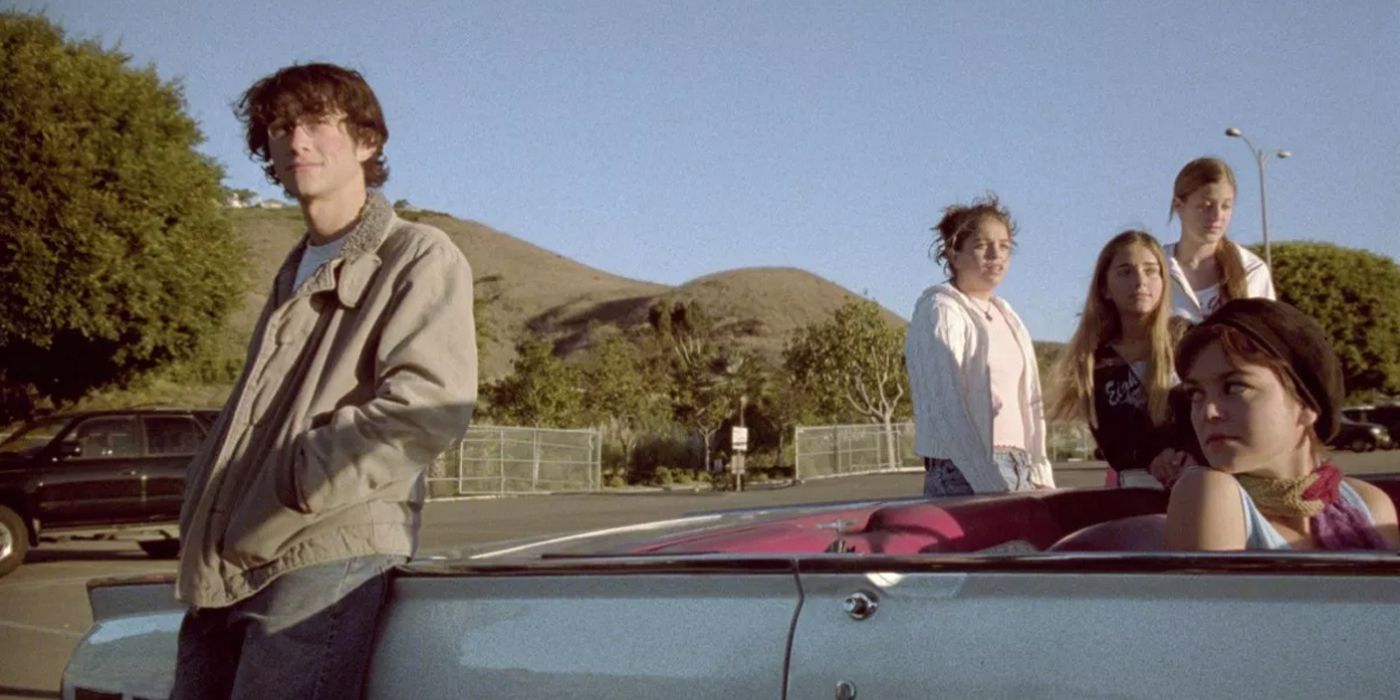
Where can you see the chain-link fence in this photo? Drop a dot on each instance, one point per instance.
(501, 460)
(1069, 442)
(842, 450)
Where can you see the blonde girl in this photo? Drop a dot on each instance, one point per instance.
(1206, 268)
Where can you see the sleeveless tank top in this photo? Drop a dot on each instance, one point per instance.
(1259, 533)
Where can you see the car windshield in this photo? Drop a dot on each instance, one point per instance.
(34, 436)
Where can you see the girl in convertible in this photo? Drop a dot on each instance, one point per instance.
(1206, 268)
(1116, 373)
(1265, 393)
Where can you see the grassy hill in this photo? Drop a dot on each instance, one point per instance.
(526, 289)
(530, 290)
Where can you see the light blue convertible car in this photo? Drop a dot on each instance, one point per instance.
(1051, 594)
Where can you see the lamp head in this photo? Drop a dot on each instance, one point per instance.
(1233, 132)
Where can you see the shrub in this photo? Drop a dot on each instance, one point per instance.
(762, 460)
(662, 448)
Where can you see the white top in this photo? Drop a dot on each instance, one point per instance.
(945, 349)
(1210, 299)
(313, 257)
(1194, 305)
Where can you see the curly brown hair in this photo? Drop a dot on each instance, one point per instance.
(315, 90)
(959, 221)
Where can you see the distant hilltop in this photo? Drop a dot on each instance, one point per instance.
(529, 290)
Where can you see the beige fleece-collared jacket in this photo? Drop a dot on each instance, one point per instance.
(353, 384)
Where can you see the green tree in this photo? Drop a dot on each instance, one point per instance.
(244, 196)
(1046, 354)
(707, 377)
(623, 392)
(1355, 296)
(114, 251)
(853, 363)
(782, 405)
(541, 391)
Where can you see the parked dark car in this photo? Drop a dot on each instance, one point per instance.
(97, 472)
(1361, 437)
(1387, 416)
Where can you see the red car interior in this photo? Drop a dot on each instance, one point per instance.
(1081, 520)
(1018, 522)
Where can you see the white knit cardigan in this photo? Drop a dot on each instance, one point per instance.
(951, 387)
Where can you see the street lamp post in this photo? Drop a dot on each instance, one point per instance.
(1260, 156)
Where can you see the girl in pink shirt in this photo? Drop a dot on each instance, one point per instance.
(972, 369)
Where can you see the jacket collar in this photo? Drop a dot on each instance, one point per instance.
(950, 290)
(975, 315)
(351, 270)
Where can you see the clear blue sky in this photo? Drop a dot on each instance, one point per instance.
(665, 141)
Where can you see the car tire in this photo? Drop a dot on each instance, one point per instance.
(1359, 445)
(161, 549)
(14, 540)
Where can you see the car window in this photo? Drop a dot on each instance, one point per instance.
(106, 436)
(207, 418)
(172, 435)
(35, 436)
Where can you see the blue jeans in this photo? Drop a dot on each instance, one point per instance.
(943, 478)
(308, 634)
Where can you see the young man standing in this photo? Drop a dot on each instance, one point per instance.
(361, 370)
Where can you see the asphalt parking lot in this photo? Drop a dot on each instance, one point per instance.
(44, 608)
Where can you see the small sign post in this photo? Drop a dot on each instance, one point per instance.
(739, 438)
(738, 444)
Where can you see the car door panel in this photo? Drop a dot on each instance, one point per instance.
(171, 441)
(593, 636)
(101, 484)
(1098, 635)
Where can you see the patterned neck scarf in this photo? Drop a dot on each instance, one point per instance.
(1335, 522)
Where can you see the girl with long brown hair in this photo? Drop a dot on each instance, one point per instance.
(1116, 372)
(1208, 269)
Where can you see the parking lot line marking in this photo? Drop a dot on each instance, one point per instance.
(46, 583)
(40, 628)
